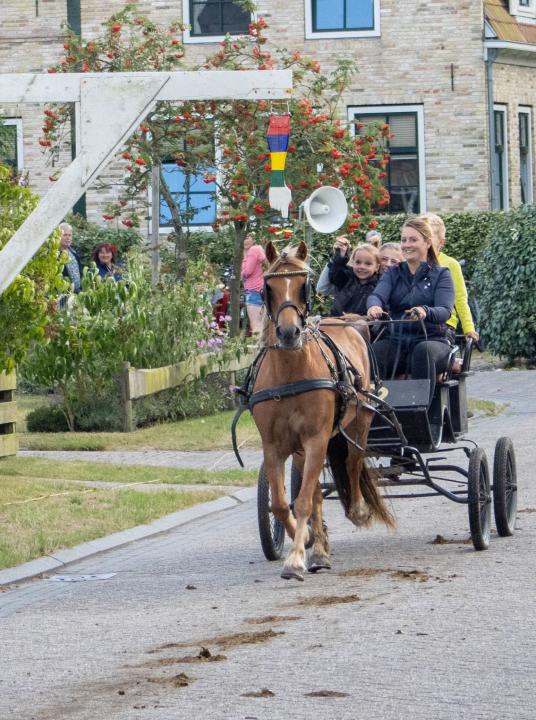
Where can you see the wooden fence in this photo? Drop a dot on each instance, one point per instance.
(140, 383)
(8, 409)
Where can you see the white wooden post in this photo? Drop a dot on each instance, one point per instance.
(111, 106)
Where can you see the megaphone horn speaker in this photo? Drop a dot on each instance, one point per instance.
(326, 209)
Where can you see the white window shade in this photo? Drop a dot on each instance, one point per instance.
(404, 131)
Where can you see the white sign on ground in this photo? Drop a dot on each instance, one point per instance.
(110, 107)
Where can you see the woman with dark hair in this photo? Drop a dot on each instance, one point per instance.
(104, 256)
(418, 290)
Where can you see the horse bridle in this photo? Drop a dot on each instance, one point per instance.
(306, 291)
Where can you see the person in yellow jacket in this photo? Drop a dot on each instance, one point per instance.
(461, 312)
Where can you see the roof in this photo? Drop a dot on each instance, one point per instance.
(505, 25)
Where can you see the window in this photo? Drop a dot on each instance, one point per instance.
(525, 155)
(342, 18)
(212, 19)
(500, 160)
(405, 172)
(195, 198)
(11, 144)
(523, 10)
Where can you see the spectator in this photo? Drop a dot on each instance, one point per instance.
(373, 237)
(104, 256)
(355, 279)
(462, 311)
(252, 277)
(323, 285)
(72, 270)
(390, 255)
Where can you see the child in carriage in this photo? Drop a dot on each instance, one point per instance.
(354, 276)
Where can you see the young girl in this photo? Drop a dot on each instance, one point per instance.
(355, 278)
(390, 255)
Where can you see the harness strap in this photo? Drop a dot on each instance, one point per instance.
(290, 389)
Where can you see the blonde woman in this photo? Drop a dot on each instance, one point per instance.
(419, 290)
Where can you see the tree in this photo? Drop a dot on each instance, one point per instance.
(225, 142)
(25, 305)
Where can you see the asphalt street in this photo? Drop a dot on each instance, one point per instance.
(195, 623)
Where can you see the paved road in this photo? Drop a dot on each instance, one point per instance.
(419, 630)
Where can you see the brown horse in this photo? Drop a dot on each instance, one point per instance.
(305, 425)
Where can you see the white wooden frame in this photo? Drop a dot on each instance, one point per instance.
(110, 106)
(505, 156)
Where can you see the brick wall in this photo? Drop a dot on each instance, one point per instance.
(515, 85)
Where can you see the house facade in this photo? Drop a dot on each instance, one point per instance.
(455, 79)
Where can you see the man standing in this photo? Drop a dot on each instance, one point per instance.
(72, 269)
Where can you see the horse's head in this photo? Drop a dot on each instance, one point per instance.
(287, 293)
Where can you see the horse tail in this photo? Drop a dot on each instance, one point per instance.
(376, 506)
(337, 454)
(373, 497)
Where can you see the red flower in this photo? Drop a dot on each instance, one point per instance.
(52, 70)
(339, 133)
(291, 148)
(373, 224)
(258, 208)
(140, 161)
(127, 223)
(116, 28)
(209, 179)
(272, 230)
(126, 156)
(52, 178)
(108, 217)
(336, 154)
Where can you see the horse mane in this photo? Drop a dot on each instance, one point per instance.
(287, 257)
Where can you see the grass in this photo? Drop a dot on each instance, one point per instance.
(40, 527)
(209, 433)
(69, 470)
(487, 408)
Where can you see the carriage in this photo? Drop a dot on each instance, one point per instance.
(410, 441)
(388, 439)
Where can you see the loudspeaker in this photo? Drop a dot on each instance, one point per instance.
(326, 209)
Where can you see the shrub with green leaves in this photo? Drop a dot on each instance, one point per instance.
(505, 283)
(24, 305)
(112, 322)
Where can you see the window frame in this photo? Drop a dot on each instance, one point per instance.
(17, 122)
(503, 167)
(311, 34)
(418, 111)
(523, 13)
(189, 38)
(527, 110)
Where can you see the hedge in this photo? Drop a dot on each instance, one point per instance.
(505, 284)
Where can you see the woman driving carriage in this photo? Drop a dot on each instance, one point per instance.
(420, 290)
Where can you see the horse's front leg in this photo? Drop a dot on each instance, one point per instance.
(319, 557)
(275, 472)
(303, 506)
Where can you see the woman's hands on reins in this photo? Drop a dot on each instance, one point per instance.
(416, 313)
(375, 312)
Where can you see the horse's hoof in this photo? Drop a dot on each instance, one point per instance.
(311, 539)
(292, 574)
(318, 562)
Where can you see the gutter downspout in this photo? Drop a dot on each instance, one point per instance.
(490, 55)
(74, 21)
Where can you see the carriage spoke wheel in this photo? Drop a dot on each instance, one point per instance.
(504, 487)
(479, 499)
(271, 530)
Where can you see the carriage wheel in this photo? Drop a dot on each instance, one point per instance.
(271, 530)
(504, 487)
(479, 499)
(295, 482)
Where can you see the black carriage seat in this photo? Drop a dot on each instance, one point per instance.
(426, 424)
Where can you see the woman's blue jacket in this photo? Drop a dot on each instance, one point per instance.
(431, 288)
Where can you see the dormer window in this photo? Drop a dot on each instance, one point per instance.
(523, 10)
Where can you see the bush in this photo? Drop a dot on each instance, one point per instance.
(505, 283)
(46, 418)
(98, 415)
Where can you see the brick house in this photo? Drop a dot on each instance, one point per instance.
(456, 80)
